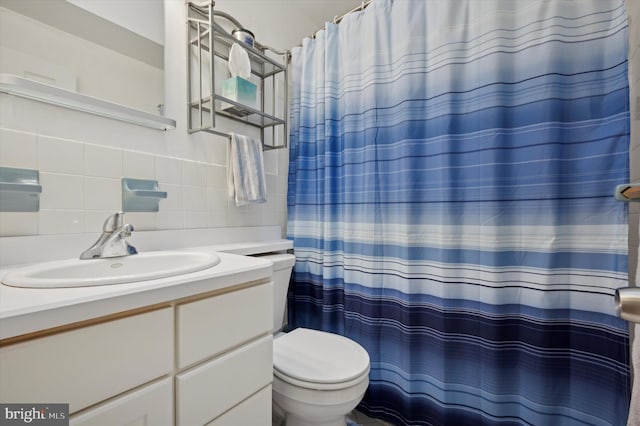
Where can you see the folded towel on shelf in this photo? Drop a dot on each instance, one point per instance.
(246, 178)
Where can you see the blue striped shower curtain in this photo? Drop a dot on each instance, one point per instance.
(452, 165)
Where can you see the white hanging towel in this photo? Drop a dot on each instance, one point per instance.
(246, 170)
(634, 409)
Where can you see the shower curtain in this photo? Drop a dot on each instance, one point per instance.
(452, 166)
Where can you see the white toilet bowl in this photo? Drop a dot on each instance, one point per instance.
(318, 377)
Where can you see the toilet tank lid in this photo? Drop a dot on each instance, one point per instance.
(318, 357)
(280, 260)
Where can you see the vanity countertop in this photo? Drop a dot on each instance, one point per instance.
(28, 310)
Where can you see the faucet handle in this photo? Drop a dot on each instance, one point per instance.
(127, 230)
(113, 222)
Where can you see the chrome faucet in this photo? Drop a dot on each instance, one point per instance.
(112, 242)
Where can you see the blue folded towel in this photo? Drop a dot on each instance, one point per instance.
(246, 170)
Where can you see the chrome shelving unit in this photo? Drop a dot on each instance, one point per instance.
(208, 45)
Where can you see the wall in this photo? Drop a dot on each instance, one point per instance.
(82, 157)
(633, 11)
(75, 63)
(140, 16)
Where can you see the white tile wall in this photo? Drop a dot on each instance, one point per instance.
(633, 12)
(16, 224)
(194, 174)
(60, 156)
(139, 166)
(82, 187)
(102, 194)
(18, 149)
(169, 170)
(60, 222)
(102, 162)
(61, 191)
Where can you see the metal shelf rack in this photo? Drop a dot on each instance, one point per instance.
(208, 47)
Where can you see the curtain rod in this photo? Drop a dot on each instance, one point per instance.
(337, 19)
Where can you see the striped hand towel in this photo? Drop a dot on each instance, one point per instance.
(246, 170)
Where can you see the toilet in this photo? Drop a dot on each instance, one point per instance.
(318, 377)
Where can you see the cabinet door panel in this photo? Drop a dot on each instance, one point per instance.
(88, 365)
(210, 389)
(255, 411)
(211, 326)
(149, 406)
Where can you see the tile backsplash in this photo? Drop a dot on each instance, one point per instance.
(81, 188)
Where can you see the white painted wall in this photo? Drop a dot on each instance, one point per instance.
(143, 17)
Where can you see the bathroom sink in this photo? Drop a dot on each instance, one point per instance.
(115, 270)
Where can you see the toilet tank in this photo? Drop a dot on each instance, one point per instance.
(282, 267)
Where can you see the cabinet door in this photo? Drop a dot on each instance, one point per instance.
(208, 390)
(212, 326)
(88, 365)
(149, 406)
(255, 411)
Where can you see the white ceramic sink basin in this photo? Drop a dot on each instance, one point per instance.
(116, 270)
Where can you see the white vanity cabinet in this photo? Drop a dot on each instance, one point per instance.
(201, 359)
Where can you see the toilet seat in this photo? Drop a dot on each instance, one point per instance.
(318, 360)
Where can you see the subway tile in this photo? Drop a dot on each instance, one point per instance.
(282, 210)
(169, 170)
(270, 211)
(283, 179)
(216, 199)
(634, 163)
(236, 216)
(254, 214)
(61, 222)
(217, 217)
(270, 159)
(103, 194)
(94, 220)
(195, 219)
(138, 165)
(60, 155)
(194, 174)
(173, 201)
(141, 221)
(18, 149)
(194, 198)
(634, 228)
(100, 161)
(61, 191)
(216, 177)
(170, 220)
(272, 185)
(18, 224)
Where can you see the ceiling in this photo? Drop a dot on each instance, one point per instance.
(284, 23)
(280, 24)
